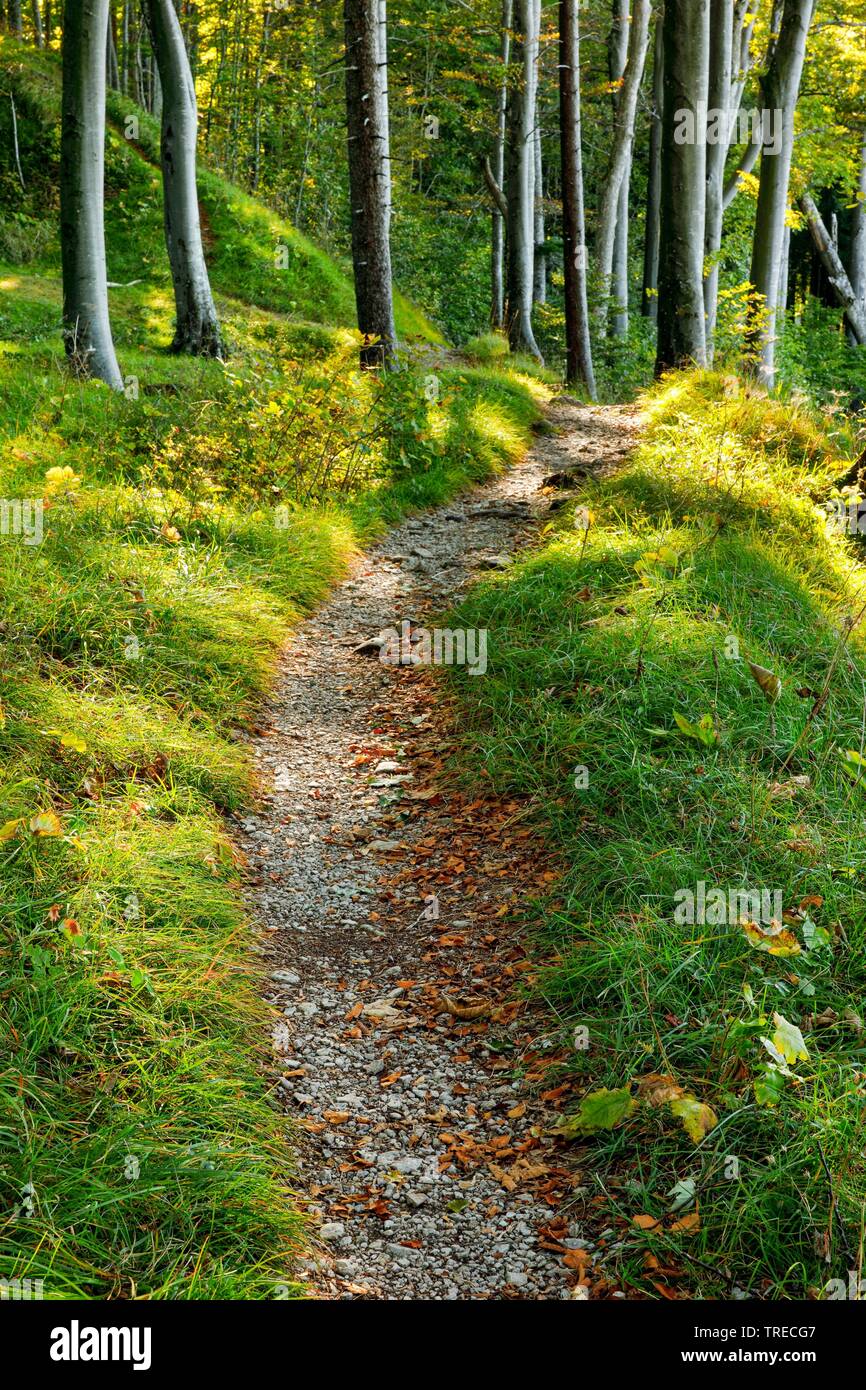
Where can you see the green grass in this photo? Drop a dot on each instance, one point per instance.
(596, 646)
(188, 526)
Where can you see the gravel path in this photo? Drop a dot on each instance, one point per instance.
(403, 1048)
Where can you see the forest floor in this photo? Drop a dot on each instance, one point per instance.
(387, 897)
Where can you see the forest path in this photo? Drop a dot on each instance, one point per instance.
(416, 1152)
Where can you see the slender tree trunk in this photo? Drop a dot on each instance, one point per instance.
(681, 333)
(38, 31)
(854, 308)
(112, 72)
(521, 183)
(197, 328)
(15, 22)
(87, 326)
(610, 211)
(577, 337)
(539, 285)
(497, 311)
(753, 149)
(857, 266)
(617, 58)
(370, 178)
(781, 89)
(649, 297)
(783, 282)
(718, 139)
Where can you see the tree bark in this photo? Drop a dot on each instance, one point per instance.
(87, 326)
(539, 284)
(520, 179)
(370, 178)
(36, 16)
(16, 26)
(719, 98)
(781, 89)
(617, 59)
(649, 296)
(854, 308)
(579, 368)
(497, 271)
(857, 266)
(610, 211)
(197, 329)
(112, 71)
(681, 332)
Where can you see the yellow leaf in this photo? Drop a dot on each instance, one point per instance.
(46, 825)
(698, 1119)
(9, 830)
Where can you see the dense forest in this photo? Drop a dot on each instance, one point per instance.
(431, 655)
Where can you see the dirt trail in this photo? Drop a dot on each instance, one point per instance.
(381, 889)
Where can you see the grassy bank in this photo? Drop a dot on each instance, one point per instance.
(156, 551)
(620, 699)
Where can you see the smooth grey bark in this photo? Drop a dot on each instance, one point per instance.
(370, 178)
(681, 331)
(854, 308)
(578, 368)
(36, 16)
(497, 268)
(520, 181)
(617, 58)
(620, 160)
(753, 149)
(719, 97)
(197, 329)
(539, 282)
(86, 322)
(781, 89)
(784, 264)
(649, 295)
(857, 266)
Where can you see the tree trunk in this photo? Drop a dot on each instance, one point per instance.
(497, 310)
(681, 334)
(858, 238)
(87, 327)
(370, 178)
(521, 184)
(577, 338)
(649, 297)
(744, 28)
(539, 284)
(15, 22)
(36, 16)
(617, 58)
(112, 71)
(610, 212)
(781, 89)
(197, 328)
(718, 139)
(854, 308)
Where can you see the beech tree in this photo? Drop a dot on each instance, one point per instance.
(370, 177)
(649, 296)
(781, 89)
(681, 332)
(617, 61)
(578, 367)
(520, 179)
(197, 329)
(497, 314)
(87, 326)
